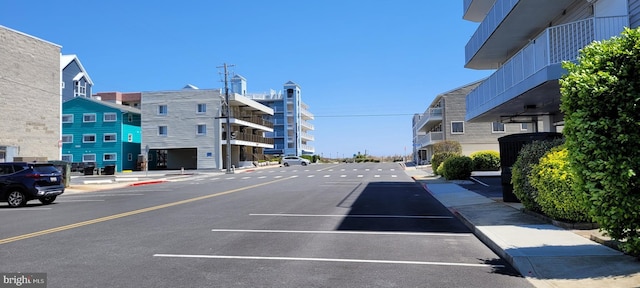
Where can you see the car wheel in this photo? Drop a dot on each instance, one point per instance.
(16, 198)
(286, 164)
(304, 163)
(48, 200)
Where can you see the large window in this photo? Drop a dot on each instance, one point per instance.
(201, 129)
(67, 118)
(67, 158)
(162, 130)
(67, 138)
(202, 108)
(88, 138)
(88, 157)
(497, 127)
(109, 157)
(162, 109)
(110, 117)
(457, 127)
(109, 137)
(89, 117)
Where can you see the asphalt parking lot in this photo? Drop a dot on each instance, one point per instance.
(488, 186)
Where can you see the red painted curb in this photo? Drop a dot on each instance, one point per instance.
(148, 182)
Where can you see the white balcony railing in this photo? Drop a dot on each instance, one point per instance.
(306, 114)
(501, 8)
(432, 114)
(308, 148)
(306, 125)
(555, 45)
(429, 139)
(307, 137)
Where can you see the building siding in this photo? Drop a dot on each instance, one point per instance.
(634, 13)
(30, 82)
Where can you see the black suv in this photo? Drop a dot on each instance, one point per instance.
(22, 181)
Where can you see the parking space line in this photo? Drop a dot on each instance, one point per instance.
(229, 257)
(355, 216)
(346, 232)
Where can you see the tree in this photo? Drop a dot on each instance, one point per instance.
(600, 99)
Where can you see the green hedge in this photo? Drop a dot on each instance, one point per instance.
(553, 179)
(439, 158)
(528, 157)
(457, 168)
(487, 160)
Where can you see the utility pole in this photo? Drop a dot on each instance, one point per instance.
(228, 116)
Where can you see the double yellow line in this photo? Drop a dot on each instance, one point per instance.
(130, 213)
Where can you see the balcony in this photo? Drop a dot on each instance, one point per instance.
(428, 139)
(307, 137)
(307, 149)
(475, 10)
(306, 125)
(509, 26)
(274, 134)
(305, 114)
(511, 88)
(245, 139)
(428, 119)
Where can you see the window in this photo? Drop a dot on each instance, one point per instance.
(201, 129)
(88, 157)
(130, 118)
(202, 108)
(109, 157)
(497, 127)
(524, 126)
(109, 137)
(67, 158)
(88, 138)
(67, 138)
(129, 137)
(110, 117)
(67, 118)
(80, 89)
(457, 127)
(162, 109)
(129, 157)
(162, 130)
(89, 117)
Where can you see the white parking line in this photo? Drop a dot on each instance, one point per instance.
(246, 177)
(376, 176)
(345, 232)
(327, 176)
(311, 176)
(354, 216)
(360, 176)
(279, 176)
(262, 177)
(394, 176)
(229, 257)
(343, 176)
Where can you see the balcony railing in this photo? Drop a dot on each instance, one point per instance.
(555, 45)
(432, 114)
(306, 114)
(274, 134)
(306, 125)
(308, 148)
(307, 136)
(429, 139)
(247, 137)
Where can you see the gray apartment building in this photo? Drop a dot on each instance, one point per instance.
(30, 80)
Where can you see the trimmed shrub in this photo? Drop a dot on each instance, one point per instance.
(488, 160)
(447, 146)
(553, 179)
(600, 100)
(528, 157)
(457, 168)
(440, 169)
(438, 159)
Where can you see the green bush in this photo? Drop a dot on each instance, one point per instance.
(447, 146)
(600, 100)
(486, 160)
(439, 170)
(553, 179)
(439, 158)
(457, 168)
(528, 157)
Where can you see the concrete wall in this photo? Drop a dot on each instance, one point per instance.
(30, 92)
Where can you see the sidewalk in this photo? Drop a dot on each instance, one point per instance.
(548, 256)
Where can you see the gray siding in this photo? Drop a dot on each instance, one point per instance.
(181, 121)
(634, 13)
(29, 86)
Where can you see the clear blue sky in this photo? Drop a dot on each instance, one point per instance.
(386, 59)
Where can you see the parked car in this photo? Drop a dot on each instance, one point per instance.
(21, 182)
(294, 160)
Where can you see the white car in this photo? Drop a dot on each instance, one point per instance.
(295, 160)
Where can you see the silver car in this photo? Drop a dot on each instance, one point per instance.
(294, 160)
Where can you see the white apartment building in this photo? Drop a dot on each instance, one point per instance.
(525, 42)
(187, 129)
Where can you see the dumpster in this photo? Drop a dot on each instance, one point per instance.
(88, 170)
(65, 168)
(109, 170)
(510, 146)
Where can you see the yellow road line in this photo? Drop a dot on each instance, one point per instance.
(130, 213)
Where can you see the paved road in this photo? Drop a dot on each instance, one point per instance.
(344, 225)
